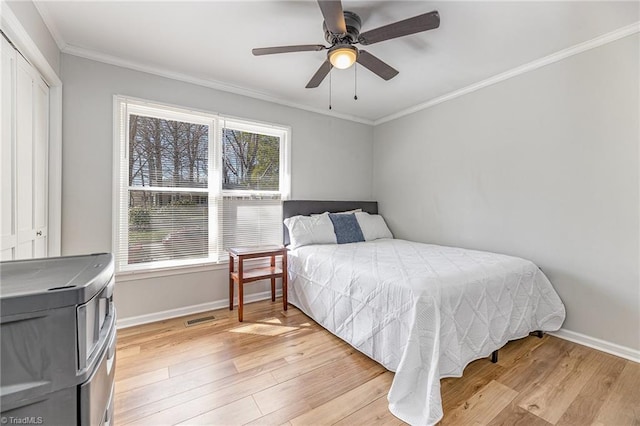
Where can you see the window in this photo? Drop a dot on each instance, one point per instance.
(191, 184)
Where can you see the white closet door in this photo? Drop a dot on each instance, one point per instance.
(25, 231)
(40, 165)
(25, 141)
(7, 158)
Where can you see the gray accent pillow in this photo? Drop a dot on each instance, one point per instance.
(346, 228)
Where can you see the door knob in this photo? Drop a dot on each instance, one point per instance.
(39, 233)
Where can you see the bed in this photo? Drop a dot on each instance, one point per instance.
(422, 311)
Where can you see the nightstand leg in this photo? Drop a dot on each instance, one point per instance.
(230, 283)
(273, 280)
(240, 299)
(284, 280)
(240, 287)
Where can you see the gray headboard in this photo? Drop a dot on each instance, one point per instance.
(307, 207)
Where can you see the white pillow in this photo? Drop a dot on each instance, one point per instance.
(373, 226)
(306, 230)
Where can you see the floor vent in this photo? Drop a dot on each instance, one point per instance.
(200, 320)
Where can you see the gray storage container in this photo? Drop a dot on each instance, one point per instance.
(57, 332)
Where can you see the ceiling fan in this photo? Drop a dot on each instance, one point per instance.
(342, 31)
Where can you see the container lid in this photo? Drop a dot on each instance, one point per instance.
(41, 284)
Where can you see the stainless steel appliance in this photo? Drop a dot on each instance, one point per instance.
(57, 339)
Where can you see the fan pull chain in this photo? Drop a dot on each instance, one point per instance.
(355, 82)
(330, 88)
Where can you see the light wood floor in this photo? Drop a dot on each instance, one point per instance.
(281, 368)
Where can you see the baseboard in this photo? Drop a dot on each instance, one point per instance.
(188, 310)
(601, 345)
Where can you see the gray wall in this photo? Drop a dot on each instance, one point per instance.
(543, 166)
(331, 158)
(32, 22)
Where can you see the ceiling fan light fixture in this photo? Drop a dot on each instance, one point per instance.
(343, 57)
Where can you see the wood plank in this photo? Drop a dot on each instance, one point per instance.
(128, 352)
(513, 415)
(376, 413)
(236, 413)
(622, 406)
(323, 355)
(142, 380)
(339, 408)
(174, 385)
(515, 351)
(282, 415)
(536, 365)
(585, 407)
(482, 407)
(239, 345)
(320, 385)
(146, 362)
(477, 375)
(550, 399)
(290, 347)
(320, 394)
(210, 401)
(180, 398)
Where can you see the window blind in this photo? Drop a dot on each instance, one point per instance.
(251, 221)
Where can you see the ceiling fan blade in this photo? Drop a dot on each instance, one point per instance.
(376, 66)
(333, 16)
(286, 49)
(424, 22)
(319, 75)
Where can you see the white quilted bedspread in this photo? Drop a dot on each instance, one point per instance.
(421, 310)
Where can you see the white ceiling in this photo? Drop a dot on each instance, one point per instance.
(212, 41)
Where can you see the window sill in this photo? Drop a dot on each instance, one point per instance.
(169, 271)
(182, 269)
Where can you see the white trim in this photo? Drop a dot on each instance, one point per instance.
(54, 237)
(25, 44)
(514, 72)
(189, 310)
(50, 24)
(116, 187)
(168, 188)
(143, 274)
(213, 84)
(598, 344)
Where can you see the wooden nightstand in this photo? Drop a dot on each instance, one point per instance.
(242, 276)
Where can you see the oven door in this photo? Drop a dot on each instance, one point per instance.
(96, 394)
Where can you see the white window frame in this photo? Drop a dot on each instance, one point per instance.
(123, 106)
(269, 130)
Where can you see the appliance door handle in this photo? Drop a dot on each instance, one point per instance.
(111, 352)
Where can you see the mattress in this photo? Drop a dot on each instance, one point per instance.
(422, 311)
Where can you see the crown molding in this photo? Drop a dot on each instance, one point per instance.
(514, 72)
(213, 84)
(43, 10)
